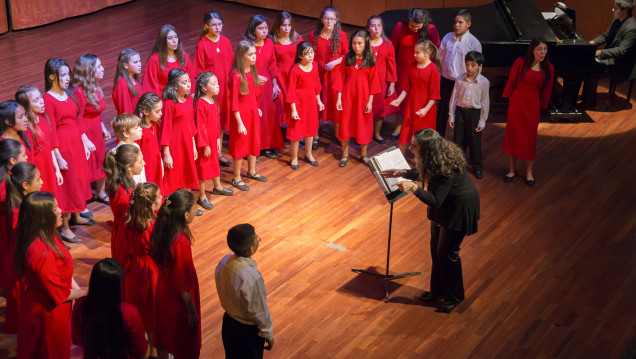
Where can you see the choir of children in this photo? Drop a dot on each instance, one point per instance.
(170, 142)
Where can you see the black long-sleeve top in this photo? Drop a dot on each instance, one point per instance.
(453, 202)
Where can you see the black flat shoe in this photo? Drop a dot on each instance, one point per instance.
(86, 214)
(256, 177)
(223, 192)
(205, 203)
(379, 140)
(529, 182)
(479, 174)
(240, 185)
(428, 297)
(269, 154)
(103, 200)
(395, 137)
(294, 167)
(509, 179)
(91, 222)
(199, 212)
(313, 163)
(343, 161)
(75, 239)
(364, 160)
(446, 307)
(225, 163)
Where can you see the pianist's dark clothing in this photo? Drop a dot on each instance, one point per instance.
(619, 53)
(453, 208)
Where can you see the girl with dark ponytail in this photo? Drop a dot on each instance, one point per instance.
(177, 306)
(102, 324)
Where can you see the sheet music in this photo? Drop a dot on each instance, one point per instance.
(392, 160)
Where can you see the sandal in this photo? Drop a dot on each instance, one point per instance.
(256, 177)
(343, 161)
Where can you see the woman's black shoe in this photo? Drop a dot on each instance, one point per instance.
(379, 140)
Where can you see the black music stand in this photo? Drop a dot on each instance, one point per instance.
(391, 197)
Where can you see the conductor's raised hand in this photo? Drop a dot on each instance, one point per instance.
(393, 173)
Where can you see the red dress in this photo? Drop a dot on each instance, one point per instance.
(92, 118)
(271, 134)
(140, 279)
(14, 284)
(404, 41)
(134, 327)
(178, 131)
(285, 56)
(323, 55)
(123, 99)
(172, 331)
(526, 93)
(246, 105)
(42, 156)
(422, 85)
(360, 83)
(119, 205)
(302, 90)
(207, 118)
(387, 73)
(149, 146)
(45, 316)
(156, 78)
(216, 57)
(75, 191)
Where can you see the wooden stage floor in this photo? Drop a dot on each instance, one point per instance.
(551, 273)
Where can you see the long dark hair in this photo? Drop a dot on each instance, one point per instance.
(368, 58)
(420, 16)
(7, 119)
(161, 47)
(170, 91)
(335, 35)
(250, 32)
(21, 172)
(274, 32)
(37, 219)
(146, 102)
(116, 168)
(52, 67)
(529, 59)
(170, 223)
(9, 149)
(140, 213)
(202, 81)
(437, 156)
(207, 17)
(22, 97)
(123, 59)
(103, 327)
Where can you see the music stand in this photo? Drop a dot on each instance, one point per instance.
(391, 197)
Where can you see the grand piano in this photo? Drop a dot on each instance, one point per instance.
(505, 28)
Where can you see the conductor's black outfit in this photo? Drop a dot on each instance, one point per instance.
(453, 208)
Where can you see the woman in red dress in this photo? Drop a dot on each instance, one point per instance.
(206, 115)
(271, 134)
(149, 110)
(43, 136)
(330, 44)
(177, 139)
(214, 54)
(120, 167)
(356, 89)
(87, 71)
(285, 39)
(417, 25)
(177, 303)
(103, 325)
(387, 74)
(245, 131)
(140, 279)
(126, 88)
(529, 88)
(303, 96)
(47, 266)
(75, 148)
(24, 178)
(422, 88)
(167, 54)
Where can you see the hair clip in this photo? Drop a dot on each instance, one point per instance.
(167, 202)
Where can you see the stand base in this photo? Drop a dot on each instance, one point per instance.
(387, 277)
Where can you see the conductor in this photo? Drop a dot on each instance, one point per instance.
(453, 208)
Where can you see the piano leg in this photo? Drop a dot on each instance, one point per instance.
(589, 89)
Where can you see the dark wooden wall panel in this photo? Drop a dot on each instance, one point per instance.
(31, 13)
(4, 23)
(357, 12)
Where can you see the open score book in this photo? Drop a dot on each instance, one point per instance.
(391, 158)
